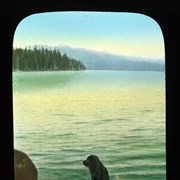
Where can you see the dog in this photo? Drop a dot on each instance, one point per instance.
(24, 168)
(96, 168)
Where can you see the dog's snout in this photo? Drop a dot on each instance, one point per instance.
(85, 162)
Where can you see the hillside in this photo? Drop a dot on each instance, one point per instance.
(94, 60)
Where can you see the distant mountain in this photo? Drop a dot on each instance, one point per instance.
(94, 60)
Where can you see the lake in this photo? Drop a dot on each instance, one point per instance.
(62, 117)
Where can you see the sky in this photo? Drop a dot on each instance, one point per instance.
(130, 34)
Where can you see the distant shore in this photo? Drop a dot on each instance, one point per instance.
(44, 60)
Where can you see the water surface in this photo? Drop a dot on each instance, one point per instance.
(62, 117)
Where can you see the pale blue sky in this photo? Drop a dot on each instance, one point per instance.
(120, 33)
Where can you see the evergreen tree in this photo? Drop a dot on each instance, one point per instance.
(43, 60)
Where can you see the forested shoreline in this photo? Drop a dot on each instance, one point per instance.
(43, 59)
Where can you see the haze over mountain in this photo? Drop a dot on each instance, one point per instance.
(94, 60)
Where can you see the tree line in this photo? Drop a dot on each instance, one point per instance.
(43, 59)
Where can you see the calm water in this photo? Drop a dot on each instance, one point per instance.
(62, 117)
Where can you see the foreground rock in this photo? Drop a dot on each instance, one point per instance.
(24, 168)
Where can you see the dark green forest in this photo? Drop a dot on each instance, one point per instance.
(43, 59)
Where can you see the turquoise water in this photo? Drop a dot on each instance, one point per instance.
(62, 117)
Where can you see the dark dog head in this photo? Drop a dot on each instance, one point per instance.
(96, 168)
(91, 161)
